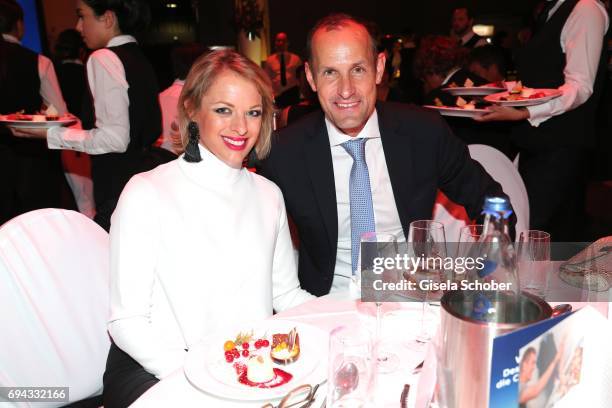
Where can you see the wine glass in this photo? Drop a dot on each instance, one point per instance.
(374, 246)
(351, 375)
(427, 242)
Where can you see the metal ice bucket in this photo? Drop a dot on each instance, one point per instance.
(467, 345)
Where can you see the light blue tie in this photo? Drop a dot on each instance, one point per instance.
(362, 209)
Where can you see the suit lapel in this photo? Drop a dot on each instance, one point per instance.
(398, 156)
(321, 172)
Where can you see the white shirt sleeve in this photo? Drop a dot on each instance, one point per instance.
(286, 291)
(109, 87)
(50, 91)
(134, 239)
(581, 40)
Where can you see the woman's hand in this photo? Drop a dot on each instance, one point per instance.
(503, 113)
(29, 133)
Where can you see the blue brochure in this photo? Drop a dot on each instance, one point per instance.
(504, 388)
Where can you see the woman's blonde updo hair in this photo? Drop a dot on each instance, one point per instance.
(203, 74)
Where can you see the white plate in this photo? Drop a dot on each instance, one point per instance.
(206, 368)
(458, 112)
(473, 90)
(550, 94)
(28, 124)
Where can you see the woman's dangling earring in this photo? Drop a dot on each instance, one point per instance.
(192, 151)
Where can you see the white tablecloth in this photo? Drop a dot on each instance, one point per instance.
(327, 312)
(401, 321)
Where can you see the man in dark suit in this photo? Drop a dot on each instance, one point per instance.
(335, 185)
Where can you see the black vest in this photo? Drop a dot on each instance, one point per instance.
(32, 174)
(19, 80)
(20, 90)
(540, 64)
(110, 172)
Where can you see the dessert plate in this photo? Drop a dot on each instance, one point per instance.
(29, 124)
(458, 112)
(473, 90)
(500, 98)
(206, 369)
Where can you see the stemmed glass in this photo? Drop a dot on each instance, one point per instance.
(467, 246)
(426, 239)
(377, 245)
(351, 374)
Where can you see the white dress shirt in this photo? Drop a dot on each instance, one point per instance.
(385, 211)
(168, 101)
(195, 248)
(50, 91)
(272, 68)
(109, 87)
(581, 41)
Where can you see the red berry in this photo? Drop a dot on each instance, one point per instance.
(265, 343)
(235, 353)
(229, 358)
(258, 344)
(245, 353)
(245, 346)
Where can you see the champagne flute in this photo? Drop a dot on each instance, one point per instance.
(377, 245)
(427, 240)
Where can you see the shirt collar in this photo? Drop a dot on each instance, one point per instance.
(120, 40)
(554, 8)
(11, 39)
(370, 130)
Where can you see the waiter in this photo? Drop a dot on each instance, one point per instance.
(32, 176)
(565, 52)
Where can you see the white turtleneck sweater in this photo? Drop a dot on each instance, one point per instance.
(196, 247)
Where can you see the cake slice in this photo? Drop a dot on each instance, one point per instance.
(285, 347)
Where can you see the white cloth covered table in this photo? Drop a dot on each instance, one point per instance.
(326, 312)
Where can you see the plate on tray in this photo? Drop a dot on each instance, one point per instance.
(538, 97)
(473, 90)
(458, 112)
(27, 121)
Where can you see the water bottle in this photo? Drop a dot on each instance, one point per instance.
(494, 287)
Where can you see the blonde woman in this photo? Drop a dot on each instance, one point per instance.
(200, 241)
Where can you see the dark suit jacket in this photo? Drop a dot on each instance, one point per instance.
(421, 154)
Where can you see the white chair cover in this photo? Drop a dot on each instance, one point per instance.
(54, 302)
(502, 170)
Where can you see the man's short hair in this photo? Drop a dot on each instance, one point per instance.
(10, 13)
(336, 21)
(69, 44)
(488, 55)
(467, 11)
